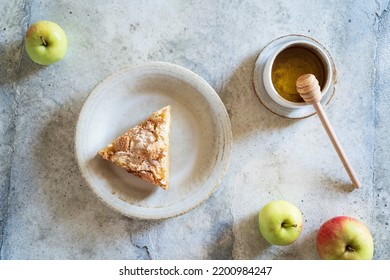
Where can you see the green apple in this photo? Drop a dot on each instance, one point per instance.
(46, 42)
(344, 238)
(280, 222)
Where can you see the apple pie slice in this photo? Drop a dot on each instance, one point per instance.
(144, 149)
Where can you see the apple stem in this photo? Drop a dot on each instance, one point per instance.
(289, 225)
(350, 249)
(43, 41)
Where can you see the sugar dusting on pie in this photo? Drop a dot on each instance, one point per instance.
(144, 149)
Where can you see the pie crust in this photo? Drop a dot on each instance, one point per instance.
(144, 149)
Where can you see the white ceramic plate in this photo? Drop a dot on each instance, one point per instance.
(201, 138)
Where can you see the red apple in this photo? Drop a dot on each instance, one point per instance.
(344, 238)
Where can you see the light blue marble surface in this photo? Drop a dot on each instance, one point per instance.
(48, 212)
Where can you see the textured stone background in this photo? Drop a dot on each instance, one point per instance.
(48, 212)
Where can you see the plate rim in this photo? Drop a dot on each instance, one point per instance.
(225, 128)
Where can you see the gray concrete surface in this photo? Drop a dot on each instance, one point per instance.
(48, 212)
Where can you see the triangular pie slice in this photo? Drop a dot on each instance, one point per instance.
(144, 149)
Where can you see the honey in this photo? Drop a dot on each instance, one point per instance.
(291, 63)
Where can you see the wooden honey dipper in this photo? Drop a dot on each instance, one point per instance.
(309, 89)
